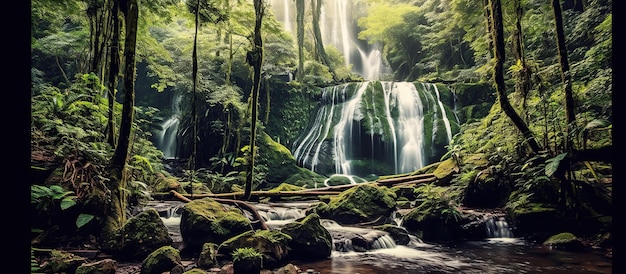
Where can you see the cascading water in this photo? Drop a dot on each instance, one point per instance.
(497, 227)
(338, 26)
(165, 137)
(373, 128)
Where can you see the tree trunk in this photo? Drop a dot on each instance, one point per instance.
(498, 40)
(300, 36)
(565, 75)
(522, 85)
(255, 59)
(316, 6)
(266, 119)
(114, 70)
(194, 116)
(117, 183)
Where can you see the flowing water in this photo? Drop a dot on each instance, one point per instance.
(498, 254)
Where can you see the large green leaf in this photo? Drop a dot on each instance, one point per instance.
(83, 219)
(552, 164)
(67, 202)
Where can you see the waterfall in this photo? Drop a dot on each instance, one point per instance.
(339, 28)
(444, 116)
(344, 131)
(165, 137)
(349, 238)
(374, 127)
(497, 227)
(410, 127)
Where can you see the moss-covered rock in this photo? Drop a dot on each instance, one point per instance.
(565, 241)
(208, 256)
(106, 266)
(536, 221)
(207, 221)
(445, 171)
(63, 262)
(143, 234)
(362, 203)
(310, 240)
(306, 178)
(161, 260)
(278, 159)
(272, 244)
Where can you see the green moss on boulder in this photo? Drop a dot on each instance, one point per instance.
(362, 203)
(161, 260)
(207, 221)
(310, 240)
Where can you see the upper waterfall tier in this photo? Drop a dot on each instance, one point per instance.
(339, 29)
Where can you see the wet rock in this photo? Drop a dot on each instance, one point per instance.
(106, 266)
(164, 259)
(565, 241)
(144, 234)
(272, 244)
(310, 240)
(360, 204)
(207, 221)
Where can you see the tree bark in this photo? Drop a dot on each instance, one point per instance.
(316, 6)
(300, 36)
(565, 75)
(523, 83)
(255, 59)
(114, 70)
(194, 117)
(498, 40)
(117, 183)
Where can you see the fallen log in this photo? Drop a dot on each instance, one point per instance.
(415, 182)
(405, 178)
(238, 195)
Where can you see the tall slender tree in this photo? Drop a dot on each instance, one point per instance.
(194, 96)
(254, 59)
(498, 42)
(116, 216)
(114, 70)
(316, 8)
(300, 37)
(565, 74)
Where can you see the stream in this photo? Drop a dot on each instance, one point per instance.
(490, 255)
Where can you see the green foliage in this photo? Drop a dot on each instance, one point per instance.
(246, 253)
(439, 201)
(45, 198)
(552, 164)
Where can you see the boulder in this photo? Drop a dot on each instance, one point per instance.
(310, 240)
(106, 266)
(360, 204)
(565, 241)
(207, 221)
(272, 244)
(143, 234)
(164, 259)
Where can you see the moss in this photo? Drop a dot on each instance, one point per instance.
(286, 187)
(446, 169)
(161, 260)
(476, 160)
(246, 253)
(360, 203)
(561, 238)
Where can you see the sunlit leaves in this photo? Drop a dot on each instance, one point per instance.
(381, 18)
